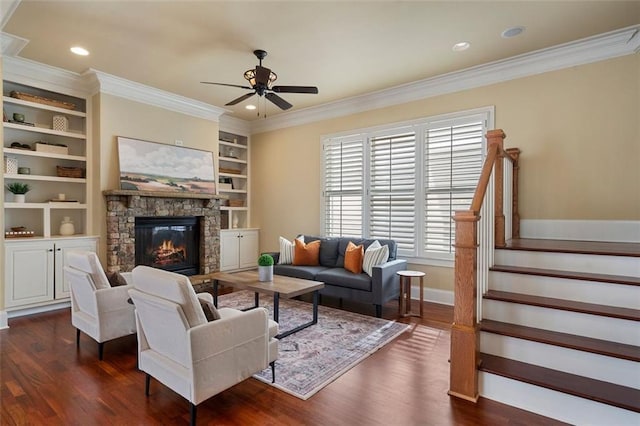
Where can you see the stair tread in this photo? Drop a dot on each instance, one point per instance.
(571, 246)
(584, 387)
(572, 341)
(567, 305)
(616, 279)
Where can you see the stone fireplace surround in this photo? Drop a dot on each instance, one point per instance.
(123, 206)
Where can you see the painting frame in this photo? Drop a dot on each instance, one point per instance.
(157, 167)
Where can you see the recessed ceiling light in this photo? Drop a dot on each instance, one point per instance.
(512, 32)
(250, 106)
(79, 51)
(459, 47)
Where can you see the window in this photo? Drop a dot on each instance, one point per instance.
(404, 181)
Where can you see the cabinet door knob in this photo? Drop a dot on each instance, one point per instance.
(50, 250)
(58, 249)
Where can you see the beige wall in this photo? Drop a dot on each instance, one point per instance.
(115, 116)
(577, 128)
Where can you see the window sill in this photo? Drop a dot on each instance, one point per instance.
(429, 261)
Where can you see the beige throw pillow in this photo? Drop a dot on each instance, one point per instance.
(375, 254)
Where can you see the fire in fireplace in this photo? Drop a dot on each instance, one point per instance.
(170, 243)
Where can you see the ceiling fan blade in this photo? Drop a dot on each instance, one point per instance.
(262, 75)
(240, 99)
(229, 85)
(281, 103)
(295, 89)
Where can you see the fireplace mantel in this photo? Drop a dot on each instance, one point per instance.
(163, 194)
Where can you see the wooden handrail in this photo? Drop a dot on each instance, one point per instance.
(463, 381)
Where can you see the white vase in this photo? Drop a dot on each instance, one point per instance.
(19, 198)
(265, 273)
(67, 227)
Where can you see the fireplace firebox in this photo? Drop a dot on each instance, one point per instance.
(170, 243)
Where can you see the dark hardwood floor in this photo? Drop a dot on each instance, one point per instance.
(46, 380)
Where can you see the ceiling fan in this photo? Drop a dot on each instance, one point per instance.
(261, 80)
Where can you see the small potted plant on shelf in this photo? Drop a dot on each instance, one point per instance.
(265, 268)
(18, 189)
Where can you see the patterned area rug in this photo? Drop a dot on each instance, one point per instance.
(314, 357)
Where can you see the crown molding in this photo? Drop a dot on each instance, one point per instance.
(235, 125)
(116, 86)
(601, 47)
(11, 45)
(33, 73)
(7, 7)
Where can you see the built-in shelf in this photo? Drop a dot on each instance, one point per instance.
(45, 178)
(47, 205)
(233, 145)
(233, 160)
(44, 130)
(233, 175)
(10, 100)
(41, 154)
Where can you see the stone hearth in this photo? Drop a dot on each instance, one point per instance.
(124, 206)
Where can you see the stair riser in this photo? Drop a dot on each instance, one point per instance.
(598, 327)
(549, 403)
(599, 367)
(613, 265)
(625, 296)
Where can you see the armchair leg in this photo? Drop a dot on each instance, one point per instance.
(77, 337)
(379, 311)
(100, 350)
(193, 414)
(147, 380)
(273, 371)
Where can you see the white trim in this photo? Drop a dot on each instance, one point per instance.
(4, 320)
(627, 231)
(601, 47)
(234, 125)
(7, 7)
(11, 45)
(31, 73)
(137, 92)
(38, 309)
(443, 297)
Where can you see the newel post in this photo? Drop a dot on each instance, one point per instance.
(515, 226)
(497, 137)
(463, 375)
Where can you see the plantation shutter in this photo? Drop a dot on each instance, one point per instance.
(453, 162)
(392, 211)
(343, 187)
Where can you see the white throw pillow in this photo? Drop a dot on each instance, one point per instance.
(375, 254)
(287, 250)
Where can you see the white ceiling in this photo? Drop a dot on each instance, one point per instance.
(345, 48)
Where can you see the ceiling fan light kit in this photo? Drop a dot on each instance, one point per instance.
(261, 80)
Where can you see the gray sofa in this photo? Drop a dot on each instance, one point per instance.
(377, 290)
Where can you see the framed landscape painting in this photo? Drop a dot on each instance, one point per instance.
(151, 166)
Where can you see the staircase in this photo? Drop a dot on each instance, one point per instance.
(560, 330)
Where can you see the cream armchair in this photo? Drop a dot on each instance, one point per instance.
(180, 348)
(97, 309)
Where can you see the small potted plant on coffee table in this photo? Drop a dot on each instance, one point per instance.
(18, 189)
(265, 268)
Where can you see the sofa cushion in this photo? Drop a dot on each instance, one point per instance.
(287, 250)
(342, 247)
(376, 254)
(307, 254)
(353, 258)
(340, 277)
(304, 272)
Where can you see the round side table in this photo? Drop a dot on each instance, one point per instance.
(404, 303)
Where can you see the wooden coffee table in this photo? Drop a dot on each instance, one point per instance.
(281, 286)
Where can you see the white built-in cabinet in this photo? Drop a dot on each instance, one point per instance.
(239, 244)
(238, 249)
(34, 262)
(34, 270)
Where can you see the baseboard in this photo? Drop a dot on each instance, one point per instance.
(4, 320)
(38, 309)
(443, 297)
(624, 231)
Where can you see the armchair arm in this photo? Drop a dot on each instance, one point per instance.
(113, 298)
(384, 281)
(227, 351)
